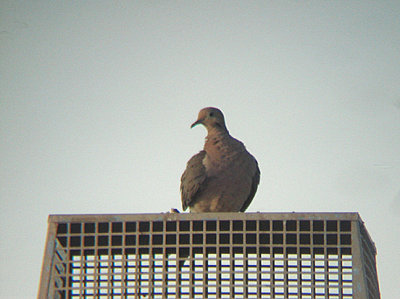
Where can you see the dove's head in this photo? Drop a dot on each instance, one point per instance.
(212, 118)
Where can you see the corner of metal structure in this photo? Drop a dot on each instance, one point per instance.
(47, 265)
(364, 288)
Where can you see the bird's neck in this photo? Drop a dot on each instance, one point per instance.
(217, 131)
(215, 142)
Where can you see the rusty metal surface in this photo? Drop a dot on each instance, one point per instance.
(210, 255)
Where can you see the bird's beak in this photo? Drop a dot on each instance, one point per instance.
(197, 122)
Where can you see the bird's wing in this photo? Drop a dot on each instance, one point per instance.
(193, 179)
(254, 185)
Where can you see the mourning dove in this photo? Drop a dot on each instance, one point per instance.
(224, 176)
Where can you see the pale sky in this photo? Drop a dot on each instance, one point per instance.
(96, 100)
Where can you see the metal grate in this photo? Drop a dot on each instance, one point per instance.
(210, 255)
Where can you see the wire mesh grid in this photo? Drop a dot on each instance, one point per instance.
(224, 255)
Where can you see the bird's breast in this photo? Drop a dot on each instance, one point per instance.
(217, 163)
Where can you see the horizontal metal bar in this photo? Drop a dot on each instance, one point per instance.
(352, 216)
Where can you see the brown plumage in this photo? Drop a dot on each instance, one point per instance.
(224, 176)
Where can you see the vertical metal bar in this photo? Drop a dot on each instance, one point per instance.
(124, 264)
(192, 260)
(164, 260)
(110, 262)
(298, 265)
(313, 273)
(359, 277)
(151, 260)
(245, 268)
(218, 267)
(46, 288)
(231, 261)
(83, 268)
(96, 271)
(340, 270)
(273, 273)
(205, 267)
(177, 263)
(285, 261)
(298, 257)
(258, 254)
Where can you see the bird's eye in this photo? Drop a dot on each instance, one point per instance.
(211, 114)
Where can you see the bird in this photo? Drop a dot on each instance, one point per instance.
(224, 176)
